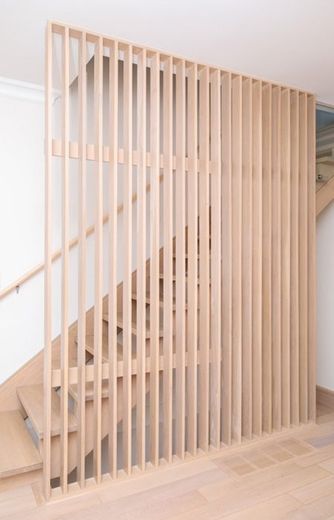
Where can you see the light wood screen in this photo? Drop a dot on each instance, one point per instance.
(192, 289)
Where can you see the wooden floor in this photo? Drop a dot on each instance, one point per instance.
(290, 476)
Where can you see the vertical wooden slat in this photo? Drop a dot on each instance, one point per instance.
(192, 262)
(154, 256)
(82, 262)
(236, 257)
(294, 269)
(257, 258)
(65, 263)
(141, 261)
(312, 295)
(168, 260)
(226, 206)
(112, 297)
(285, 254)
(204, 244)
(215, 390)
(276, 259)
(98, 277)
(180, 258)
(303, 257)
(266, 259)
(48, 264)
(127, 258)
(247, 368)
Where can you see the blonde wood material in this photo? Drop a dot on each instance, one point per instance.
(82, 259)
(127, 282)
(47, 355)
(204, 301)
(257, 258)
(303, 260)
(226, 127)
(311, 267)
(325, 195)
(154, 254)
(215, 301)
(325, 397)
(236, 211)
(276, 269)
(294, 326)
(207, 318)
(192, 265)
(31, 398)
(285, 255)
(247, 366)
(180, 217)
(266, 259)
(18, 452)
(98, 260)
(112, 300)
(64, 346)
(141, 264)
(168, 259)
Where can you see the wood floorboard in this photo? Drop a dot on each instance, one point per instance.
(288, 476)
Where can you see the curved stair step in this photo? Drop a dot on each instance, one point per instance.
(89, 345)
(134, 330)
(32, 400)
(18, 453)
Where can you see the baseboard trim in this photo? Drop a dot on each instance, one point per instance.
(325, 397)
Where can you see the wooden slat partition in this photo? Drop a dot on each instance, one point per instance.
(64, 345)
(226, 126)
(257, 258)
(247, 261)
(112, 303)
(303, 259)
(180, 211)
(154, 256)
(141, 263)
(47, 380)
(215, 310)
(168, 260)
(127, 261)
(98, 264)
(285, 255)
(294, 270)
(196, 267)
(204, 244)
(266, 372)
(236, 212)
(82, 261)
(276, 341)
(192, 251)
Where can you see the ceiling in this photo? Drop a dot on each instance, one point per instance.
(289, 41)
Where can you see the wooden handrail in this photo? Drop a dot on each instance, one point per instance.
(57, 254)
(325, 195)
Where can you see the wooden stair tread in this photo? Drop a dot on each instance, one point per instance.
(31, 398)
(18, 453)
(89, 391)
(148, 300)
(90, 347)
(134, 325)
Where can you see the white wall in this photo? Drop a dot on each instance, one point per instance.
(21, 221)
(325, 313)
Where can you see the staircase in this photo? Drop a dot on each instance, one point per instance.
(21, 431)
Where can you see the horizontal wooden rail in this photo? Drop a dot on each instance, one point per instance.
(74, 153)
(73, 376)
(57, 254)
